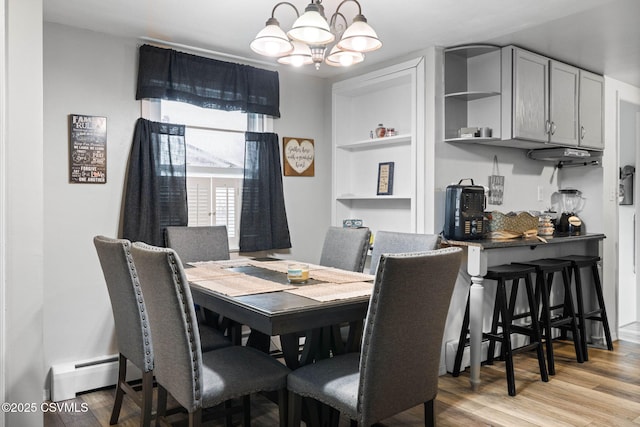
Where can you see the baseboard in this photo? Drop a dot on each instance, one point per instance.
(68, 379)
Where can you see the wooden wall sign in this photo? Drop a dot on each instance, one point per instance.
(298, 156)
(87, 149)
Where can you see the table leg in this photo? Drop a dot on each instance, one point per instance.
(476, 300)
(477, 268)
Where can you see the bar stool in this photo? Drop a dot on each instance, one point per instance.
(503, 316)
(600, 313)
(545, 272)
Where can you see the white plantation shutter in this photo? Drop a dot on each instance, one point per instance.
(226, 208)
(215, 201)
(199, 200)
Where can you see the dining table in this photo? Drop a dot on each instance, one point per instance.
(256, 292)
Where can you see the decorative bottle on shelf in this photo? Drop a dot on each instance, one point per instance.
(381, 131)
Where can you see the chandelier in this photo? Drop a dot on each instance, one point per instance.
(308, 40)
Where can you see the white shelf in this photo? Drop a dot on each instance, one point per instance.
(348, 197)
(474, 139)
(386, 141)
(471, 96)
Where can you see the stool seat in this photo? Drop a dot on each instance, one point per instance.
(508, 271)
(580, 260)
(548, 265)
(503, 316)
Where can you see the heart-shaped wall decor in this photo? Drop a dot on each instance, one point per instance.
(299, 155)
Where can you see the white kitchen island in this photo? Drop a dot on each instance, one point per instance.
(481, 254)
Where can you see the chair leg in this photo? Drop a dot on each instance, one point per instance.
(228, 413)
(429, 413)
(246, 410)
(295, 409)
(603, 311)
(577, 337)
(117, 404)
(535, 326)
(147, 398)
(461, 341)
(161, 410)
(543, 292)
(506, 351)
(283, 406)
(195, 418)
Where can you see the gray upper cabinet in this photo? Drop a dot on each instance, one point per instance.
(541, 99)
(591, 110)
(563, 104)
(530, 101)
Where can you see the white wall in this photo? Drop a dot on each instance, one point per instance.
(95, 74)
(615, 91)
(21, 215)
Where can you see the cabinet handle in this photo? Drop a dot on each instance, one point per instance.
(553, 128)
(547, 127)
(581, 132)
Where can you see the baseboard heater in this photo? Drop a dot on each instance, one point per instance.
(69, 379)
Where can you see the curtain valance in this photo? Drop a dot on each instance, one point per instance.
(205, 82)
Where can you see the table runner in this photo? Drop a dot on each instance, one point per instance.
(241, 284)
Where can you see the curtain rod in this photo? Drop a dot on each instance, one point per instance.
(207, 51)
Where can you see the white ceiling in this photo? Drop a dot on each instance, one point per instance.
(599, 35)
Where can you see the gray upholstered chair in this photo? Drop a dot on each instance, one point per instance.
(345, 248)
(391, 242)
(398, 365)
(195, 244)
(196, 380)
(131, 324)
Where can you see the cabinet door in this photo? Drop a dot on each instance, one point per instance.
(530, 97)
(563, 104)
(591, 110)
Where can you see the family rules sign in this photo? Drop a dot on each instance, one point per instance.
(87, 149)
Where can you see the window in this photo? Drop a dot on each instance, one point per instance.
(215, 159)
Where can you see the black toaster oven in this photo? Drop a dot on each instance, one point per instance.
(464, 212)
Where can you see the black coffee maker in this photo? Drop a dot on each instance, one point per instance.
(570, 203)
(464, 212)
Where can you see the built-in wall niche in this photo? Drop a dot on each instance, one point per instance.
(394, 98)
(472, 91)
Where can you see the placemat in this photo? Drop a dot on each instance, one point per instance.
(195, 274)
(240, 284)
(335, 275)
(324, 292)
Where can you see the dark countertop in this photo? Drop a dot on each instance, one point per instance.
(530, 241)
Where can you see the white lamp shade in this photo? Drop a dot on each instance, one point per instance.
(359, 37)
(311, 28)
(343, 58)
(301, 55)
(271, 41)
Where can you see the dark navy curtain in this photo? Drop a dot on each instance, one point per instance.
(156, 188)
(207, 83)
(263, 219)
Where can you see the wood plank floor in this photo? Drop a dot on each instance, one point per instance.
(605, 391)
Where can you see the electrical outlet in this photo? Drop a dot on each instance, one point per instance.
(540, 193)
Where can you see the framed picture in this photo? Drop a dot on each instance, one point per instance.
(298, 156)
(385, 179)
(87, 149)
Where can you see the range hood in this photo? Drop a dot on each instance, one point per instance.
(562, 154)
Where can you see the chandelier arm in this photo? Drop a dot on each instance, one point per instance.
(346, 1)
(285, 2)
(333, 23)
